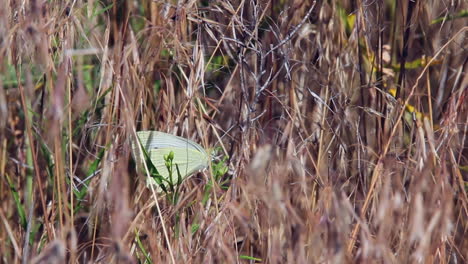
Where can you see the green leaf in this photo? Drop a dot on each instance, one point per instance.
(19, 206)
(194, 228)
(249, 258)
(142, 248)
(461, 14)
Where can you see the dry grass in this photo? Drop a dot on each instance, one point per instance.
(325, 164)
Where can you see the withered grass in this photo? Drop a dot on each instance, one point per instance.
(344, 123)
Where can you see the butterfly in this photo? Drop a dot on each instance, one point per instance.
(189, 156)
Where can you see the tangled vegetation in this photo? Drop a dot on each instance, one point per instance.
(337, 130)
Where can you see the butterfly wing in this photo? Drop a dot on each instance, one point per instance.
(156, 139)
(188, 155)
(188, 160)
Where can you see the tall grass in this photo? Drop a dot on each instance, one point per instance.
(343, 125)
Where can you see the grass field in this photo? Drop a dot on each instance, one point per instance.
(337, 131)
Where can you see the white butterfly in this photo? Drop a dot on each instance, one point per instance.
(189, 156)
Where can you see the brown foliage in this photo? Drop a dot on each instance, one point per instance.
(345, 123)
